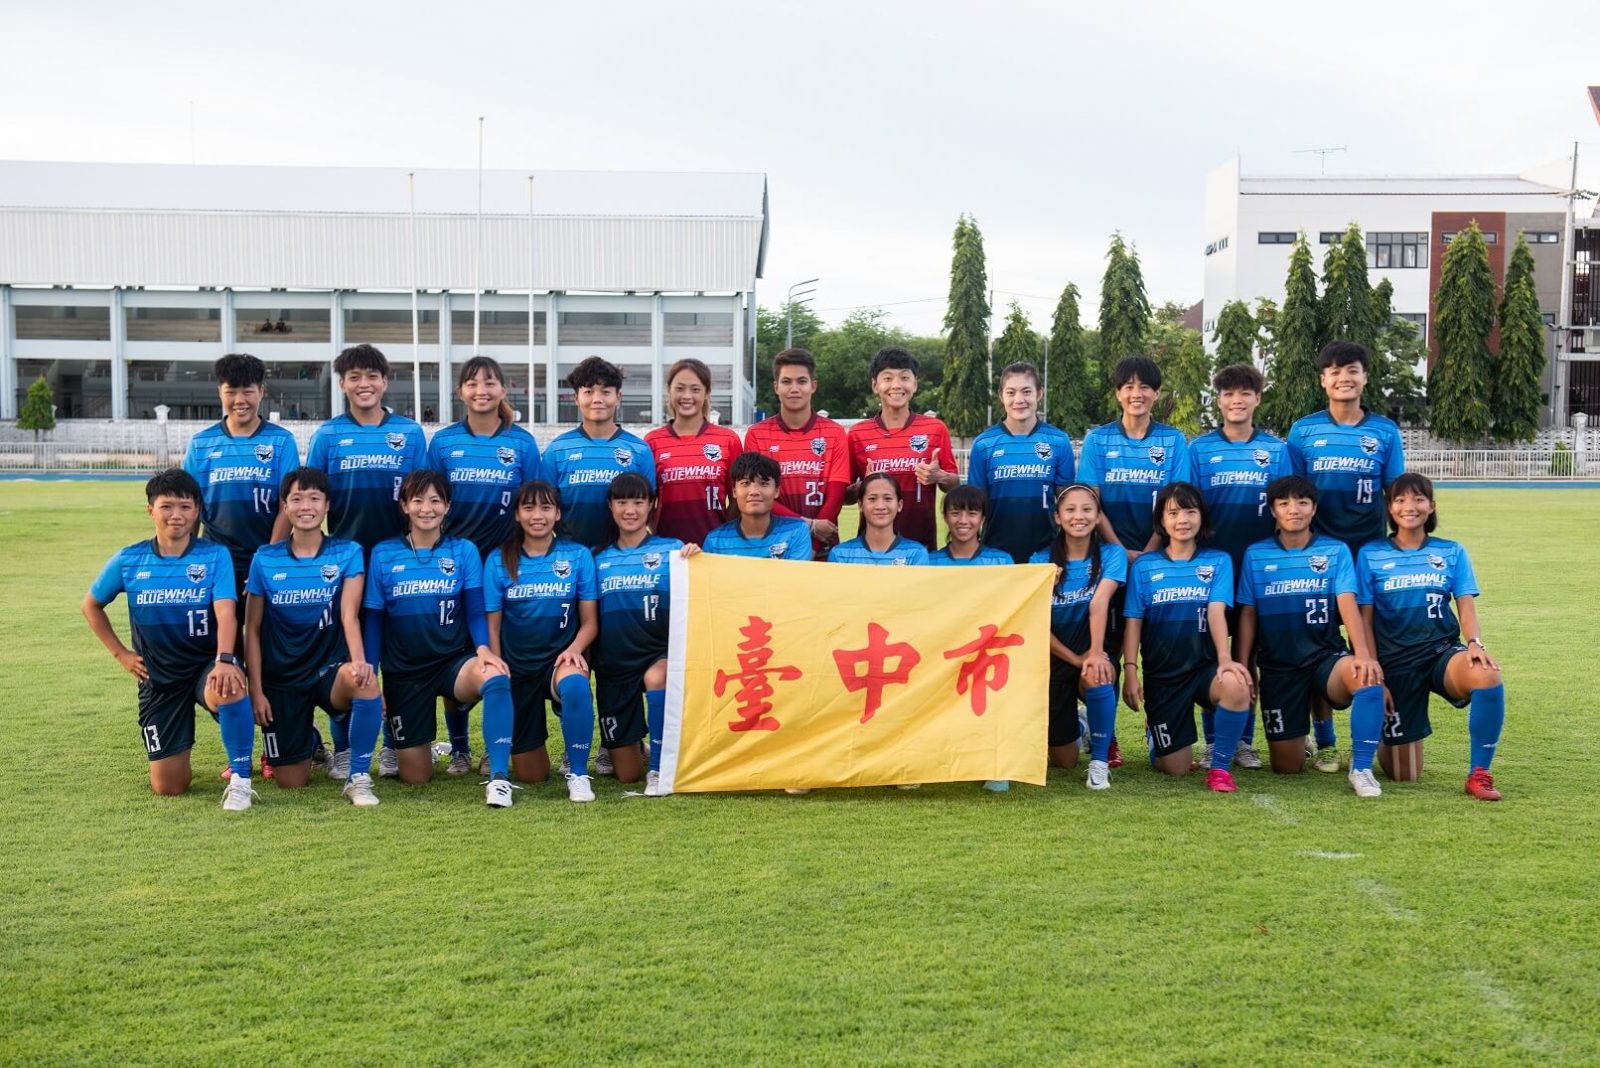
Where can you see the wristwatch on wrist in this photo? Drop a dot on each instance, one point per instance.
(229, 658)
(1475, 640)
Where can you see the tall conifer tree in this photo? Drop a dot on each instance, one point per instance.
(966, 323)
(1464, 307)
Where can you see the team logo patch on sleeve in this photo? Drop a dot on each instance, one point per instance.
(506, 455)
(1319, 564)
(623, 456)
(330, 572)
(818, 446)
(264, 453)
(1158, 454)
(919, 443)
(652, 560)
(712, 452)
(561, 568)
(1041, 449)
(1261, 456)
(395, 441)
(1436, 561)
(196, 573)
(1369, 445)
(447, 566)
(1205, 572)
(777, 549)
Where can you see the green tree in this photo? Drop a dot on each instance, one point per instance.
(1394, 387)
(1124, 310)
(844, 353)
(1458, 385)
(1070, 394)
(966, 323)
(1346, 307)
(1267, 330)
(1185, 375)
(1514, 397)
(1017, 343)
(1235, 334)
(1294, 387)
(38, 409)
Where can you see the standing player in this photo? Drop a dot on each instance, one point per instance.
(484, 457)
(757, 532)
(582, 462)
(964, 508)
(691, 455)
(1407, 582)
(914, 448)
(878, 543)
(1351, 455)
(181, 606)
(1294, 591)
(303, 641)
(812, 451)
(1021, 462)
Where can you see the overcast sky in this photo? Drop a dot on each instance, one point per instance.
(877, 124)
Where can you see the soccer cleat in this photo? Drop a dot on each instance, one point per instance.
(320, 757)
(1246, 757)
(237, 795)
(908, 786)
(1219, 781)
(579, 788)
(603, 764)
(1114, 757)
(997, 786)
(460, 763)
(1203, 759)
(1311, 748)
(1480, 784)
(388, 763)
(1099, 775)
(652, 785)
(499, 793)
(1365, 784)
(339, 766)
(1327, 759)
(266, 769)
(566, 765)
(797, 791)
(483, 766)
(359, 791)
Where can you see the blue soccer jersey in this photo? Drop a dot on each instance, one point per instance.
(582, 468)
(365, 466)
(423, 594)
(301, 629)
(169, 604)
(1410, 591)
(635, 602)
(539, 607)
(984, 557)
(787, 538)
(856, 551)
(1129, 472)
(484, 473)
(239, 479)
(1233, 477)
(1171, 597)
(1350, 466)
(1020, 473)
(1069, 600)
(1295, 593)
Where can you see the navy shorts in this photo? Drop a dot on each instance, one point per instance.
(530, 729)
(166, 714)
(292, 735)
(412, 700)
(619, 702)
(1409, 684)
(1287, 697)
(1169, 707)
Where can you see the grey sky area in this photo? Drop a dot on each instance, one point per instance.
(876, 123)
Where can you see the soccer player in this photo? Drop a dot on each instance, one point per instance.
(914, 448)
(484, 457)
(1129, 460)
(1178, 597)
(878, 543)
(1407, 582)
(424, 625)
(964, 509)
(691, 455)
(812, 451)
(582, 462)
(1294, 591)
(181, 607)
(1233, 465)
(1351, 455)
(757, 531)
(1021, 462)
(1090, 570)
(303, 641)
(630, 655)
(539, 591)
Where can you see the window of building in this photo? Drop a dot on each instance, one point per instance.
(1542, 237)
(174, 324)
(62, 322)
(295, 389)
(1275, 237)
(80, 389)
(698, 328)
(605, 328)
(260, 326)
(1397, 249)
(496, 327)
(1490, 237)
(389, 326)
(1416, 319)
(1330, 237)
(400, 397)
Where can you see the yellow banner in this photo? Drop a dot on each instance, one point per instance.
(790, 674)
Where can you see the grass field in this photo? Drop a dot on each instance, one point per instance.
(1154, 924)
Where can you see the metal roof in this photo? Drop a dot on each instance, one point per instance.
(1394, 185)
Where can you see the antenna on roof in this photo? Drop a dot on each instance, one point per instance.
(1322, 154)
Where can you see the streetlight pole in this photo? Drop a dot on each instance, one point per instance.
(789, 301)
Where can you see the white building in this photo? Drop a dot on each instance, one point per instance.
(1253, 221)
(122, 283)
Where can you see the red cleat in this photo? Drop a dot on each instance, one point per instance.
(266, 769)
(1219, 781)
(1480, 784)
(1114, 756)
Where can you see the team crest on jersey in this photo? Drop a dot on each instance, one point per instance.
(652, 560)
(1436, 561)
(1261, 456)
(919, 443)
(901, 562)
(447, 566)
(561, 568)
(712, 452)
(1319, 564)
(818, 446)
(196, 572)
(1158, 454)
(777, 549)
(1369, 445)
(506, 456)
(330, 572)
(624, 457)
(264, 453)
(1205, 572)
(396, 441)
(1041, 449)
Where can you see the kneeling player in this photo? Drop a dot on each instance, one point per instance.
(964, 508)
(303, 641)
(758, 532)
(1180, 593)
(1294, 591)
(539, 591)
(878, 543)
(1406, 584)
(424, 619)
(182, 611)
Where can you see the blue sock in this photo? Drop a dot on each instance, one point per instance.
(455, 725)
(339, 727)
(1250, 728)
(497, 717)
(1366, 726)
(1101, 702)
(577, 721)
(1230, 725)
(238, 723)
(1323, 729)
(1485, 718)
(1208, 725)
(655, 719)
(361, 732)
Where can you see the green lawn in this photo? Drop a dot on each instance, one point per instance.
(1154, 924)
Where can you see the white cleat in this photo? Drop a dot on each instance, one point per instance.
(1246, 757)
(388, 763)
(1099, 775)
(339, 766)
(797, 791)
(359, 791)
(603, 764)
(237, 795)
(498, 794)
(908, 786)
(1365, 784)
(652, 785)
(579, 788)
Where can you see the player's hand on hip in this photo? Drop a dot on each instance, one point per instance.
(133, 664)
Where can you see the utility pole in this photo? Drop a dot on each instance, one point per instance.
(802, 297)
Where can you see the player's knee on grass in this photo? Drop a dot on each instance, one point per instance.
(1401, 763)
(532, 766)
(1064, 756)
(1176, 764)
(171, 776)
(628, 762)
(1288, 755)
(655, 677)
(416, 764)
(292, 776)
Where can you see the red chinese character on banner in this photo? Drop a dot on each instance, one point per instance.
(875, 659)
(986, 670)
(754, 685)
